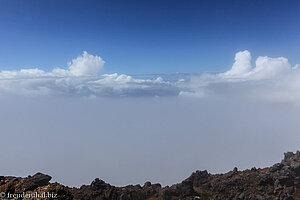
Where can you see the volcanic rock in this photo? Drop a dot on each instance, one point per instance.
(278, 182)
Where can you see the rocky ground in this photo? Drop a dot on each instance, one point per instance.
(280, 181)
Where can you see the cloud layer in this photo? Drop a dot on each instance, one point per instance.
(81, 78)
(271, 79)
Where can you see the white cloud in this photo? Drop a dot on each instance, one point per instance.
(124, 85)
(270, 67)
(271, 79)
(265, 67)
(296, 66)
(242, 64)
(85, 65)
(23, 73)
(81, 78)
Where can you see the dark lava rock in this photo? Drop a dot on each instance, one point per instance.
(40, 179)
(278, 182)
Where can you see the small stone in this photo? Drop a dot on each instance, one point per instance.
(241, 196)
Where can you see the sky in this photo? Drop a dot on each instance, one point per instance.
(146, 37)
(142, 91)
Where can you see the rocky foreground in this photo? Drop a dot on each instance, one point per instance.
(281, 181)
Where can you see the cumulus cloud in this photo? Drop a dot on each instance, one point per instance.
(85, 65)
(271, 79)
(265, 67)
(242, 64)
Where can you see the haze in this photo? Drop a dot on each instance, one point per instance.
(133, 140)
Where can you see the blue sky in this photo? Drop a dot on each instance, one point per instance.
(141, 37)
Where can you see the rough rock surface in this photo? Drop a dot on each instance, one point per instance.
(278, 182)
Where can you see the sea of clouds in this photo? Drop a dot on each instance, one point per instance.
(77, 124)
(271, 79)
